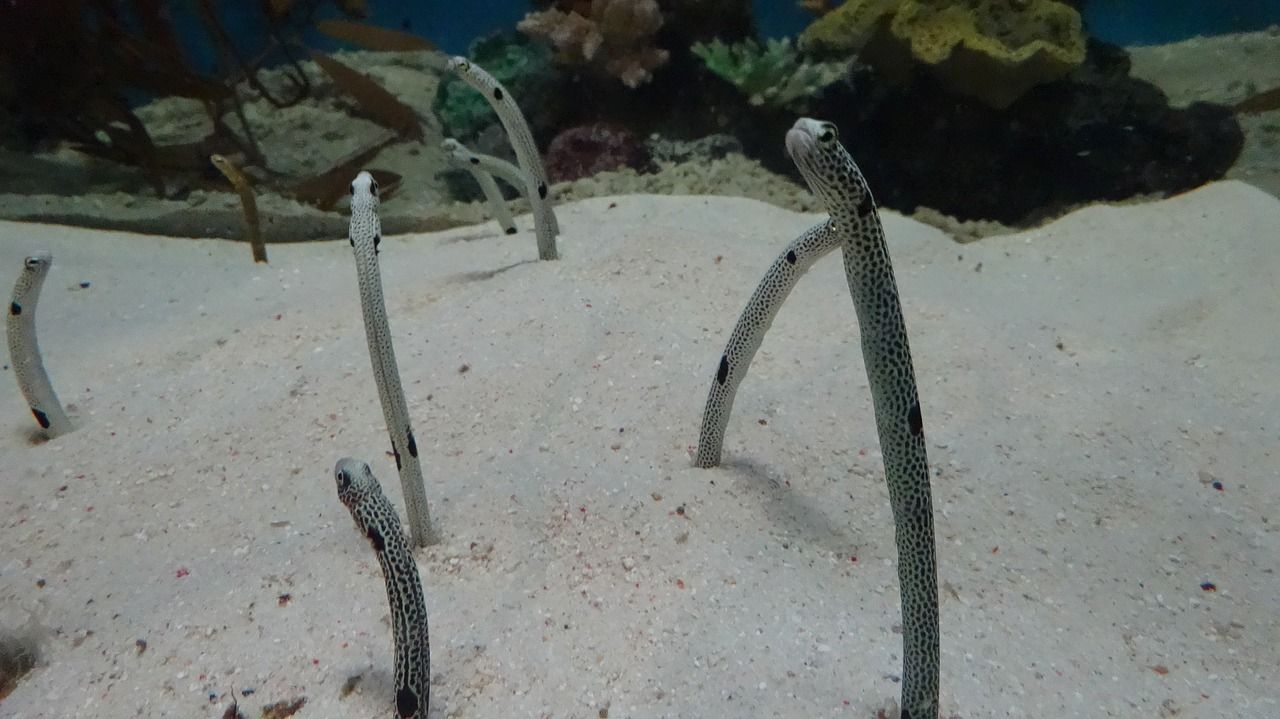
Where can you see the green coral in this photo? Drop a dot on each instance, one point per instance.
(994, 50)
(521, 67)
(773, 74)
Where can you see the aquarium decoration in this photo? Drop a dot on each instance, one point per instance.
(993, 50)
(373, 100)
(584, 150)
(365, 236)
(537, 189)
(854, 226)
(372, 37)
(24, 350)
(377, 520)
(612, 37)
(482, 168)
(772, 74)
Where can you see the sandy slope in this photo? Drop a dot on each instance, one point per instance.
(1083, 384)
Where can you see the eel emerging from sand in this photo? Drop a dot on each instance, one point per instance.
(248, 204)
(24, 351)
(536, 188)
(855, 226)
(365, 236)
(376, 519)
(482, 169)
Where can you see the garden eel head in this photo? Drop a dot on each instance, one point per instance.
(38, 263)
(355, 481)
(815, 147)
(457, 63)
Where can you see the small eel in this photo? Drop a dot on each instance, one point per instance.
(459, 156)
(24, 351)
(855, 226)
(365, 236)
(248, 204)
(545, 224)
(376, 519)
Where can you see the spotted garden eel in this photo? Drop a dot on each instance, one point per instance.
(248, 204)
(365, 236)
(854, 225)
(376, 519)
(534, 178)
(459, 156)
(24, 351)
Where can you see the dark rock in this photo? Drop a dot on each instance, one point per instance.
(587, 149)
(1098, 134)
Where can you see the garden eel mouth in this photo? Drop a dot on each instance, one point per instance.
(376, 518)
(24, 350)
(855, 227)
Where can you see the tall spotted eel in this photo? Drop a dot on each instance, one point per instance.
(854, 225)
(365, 236)
(534, 176)
(376, 519)
(482, 172)
(24, 351)
(248, 204)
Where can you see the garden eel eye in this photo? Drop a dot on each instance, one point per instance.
(373, 186)
(828, 133)
(344, 479)
(353, 189)
(33, 262)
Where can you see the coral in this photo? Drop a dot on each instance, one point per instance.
(521, 67)
(994, 50)
(772, 74)
(611, 36)
(587, 149)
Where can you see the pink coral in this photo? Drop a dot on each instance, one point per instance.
(614, 36)
(587, 149)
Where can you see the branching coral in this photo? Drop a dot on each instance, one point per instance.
(772, 74)
(611, 36)
(994, 50)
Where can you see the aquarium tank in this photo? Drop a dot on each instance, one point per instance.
(490, 359)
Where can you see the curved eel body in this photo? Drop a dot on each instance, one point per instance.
(749, 332)
(24, 351)
(482, 169)
(376, 519)
(248, 204)
(545, 224)
(365, 236)
(855, 225)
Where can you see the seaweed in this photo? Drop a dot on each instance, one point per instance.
(1260, 102)
(372, 37)
(325, 189)
(374, 100)
(71, 70)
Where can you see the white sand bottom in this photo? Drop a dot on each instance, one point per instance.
(1083, 385)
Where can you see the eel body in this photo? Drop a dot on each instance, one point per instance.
(537, 189)
(365, 236)
(855, 226)
(376, 518)
(248, 204)
(24, 351)
(482, 169)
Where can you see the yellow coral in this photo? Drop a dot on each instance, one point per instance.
(994, 50)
